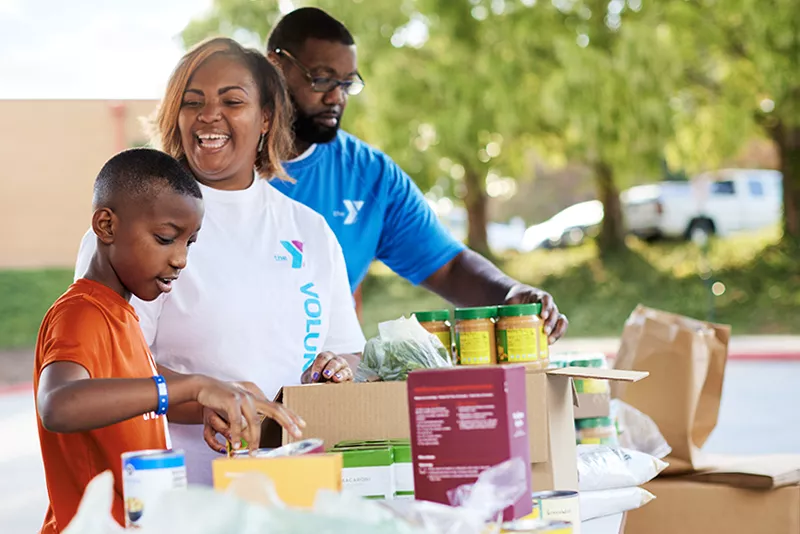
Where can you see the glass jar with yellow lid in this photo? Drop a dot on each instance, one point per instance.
(475, 338)
(520, 335)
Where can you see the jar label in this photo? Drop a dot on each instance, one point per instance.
(544, 345)
(591, 385)
(597, 441)
(517, 345)
(474, 348)
(444, 337)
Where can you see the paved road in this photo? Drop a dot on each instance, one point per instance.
(758, 415)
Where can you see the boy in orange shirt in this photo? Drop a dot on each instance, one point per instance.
(98, 391)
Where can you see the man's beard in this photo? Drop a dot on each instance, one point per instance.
(305, 129)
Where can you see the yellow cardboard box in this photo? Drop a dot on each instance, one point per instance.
(297, 478)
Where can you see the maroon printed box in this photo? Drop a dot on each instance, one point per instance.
(463, 421)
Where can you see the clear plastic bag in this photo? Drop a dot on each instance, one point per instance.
(473, 506)
(401, 347)
(637, 431)
(601, 467)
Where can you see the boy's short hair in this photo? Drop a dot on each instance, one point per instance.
(141, 172)
(294, 29)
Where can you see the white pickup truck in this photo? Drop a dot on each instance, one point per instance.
(718, 202)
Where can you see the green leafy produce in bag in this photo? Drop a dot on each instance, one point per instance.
(401, 347)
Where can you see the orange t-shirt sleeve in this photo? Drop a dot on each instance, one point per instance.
(79, 333)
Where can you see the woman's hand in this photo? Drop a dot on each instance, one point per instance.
(328, 367)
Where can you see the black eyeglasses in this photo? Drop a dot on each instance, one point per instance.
(324, 84)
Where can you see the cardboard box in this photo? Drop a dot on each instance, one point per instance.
(685, 506)
(316, 471)
(738, 494)
(764, 472)
(463, 421)
(379, 411)
(368, 471)
(591, 405)
(403, 471)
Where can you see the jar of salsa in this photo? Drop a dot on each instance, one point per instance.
(520, 335)
(596, 431)
(437, 322)
(475, 337)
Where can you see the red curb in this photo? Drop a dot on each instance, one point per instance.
(16, 388)
(752, 356)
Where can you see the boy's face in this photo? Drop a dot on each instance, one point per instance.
(149, 242)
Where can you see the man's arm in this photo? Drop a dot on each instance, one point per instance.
(469, 279)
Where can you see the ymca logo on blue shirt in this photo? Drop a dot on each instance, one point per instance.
(295, 250)
(352, 208)
(373, 207)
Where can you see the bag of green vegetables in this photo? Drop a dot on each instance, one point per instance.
(401, 347)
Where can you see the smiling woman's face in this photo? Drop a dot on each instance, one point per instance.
(221, 122)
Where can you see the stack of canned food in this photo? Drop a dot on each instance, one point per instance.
(491, 334)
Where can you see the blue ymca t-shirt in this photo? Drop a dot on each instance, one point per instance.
(373, 207)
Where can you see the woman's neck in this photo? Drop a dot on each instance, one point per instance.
(237, 182)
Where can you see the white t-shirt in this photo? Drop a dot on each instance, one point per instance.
(264, 291)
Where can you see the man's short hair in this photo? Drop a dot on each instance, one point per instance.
(295, 28)
(141, 172)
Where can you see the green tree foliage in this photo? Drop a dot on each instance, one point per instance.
(459, 92)
(743, 74)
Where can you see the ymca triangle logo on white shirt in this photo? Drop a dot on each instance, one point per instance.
(265, 290)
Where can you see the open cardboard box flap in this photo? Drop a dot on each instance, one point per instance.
(379, 410)
(766, 472)
(617, 375)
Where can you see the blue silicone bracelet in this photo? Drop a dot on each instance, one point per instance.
(163, 399)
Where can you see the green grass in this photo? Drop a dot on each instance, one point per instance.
(761, 279)
(25, 297)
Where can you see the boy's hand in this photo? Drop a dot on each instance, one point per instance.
(243, 412)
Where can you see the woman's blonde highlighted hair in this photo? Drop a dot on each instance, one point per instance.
(278, 142)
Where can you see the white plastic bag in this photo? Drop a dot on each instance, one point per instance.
(601, 467)
(637, 431)
(252, 507)
(607, 502)
(94, 513)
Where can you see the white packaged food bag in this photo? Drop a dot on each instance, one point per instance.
(601, 467)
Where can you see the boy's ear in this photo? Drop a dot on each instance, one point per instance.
(104, 225)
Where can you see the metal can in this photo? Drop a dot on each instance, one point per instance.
(537, 526)
(559, 506)
(146, 476)
(306, 446)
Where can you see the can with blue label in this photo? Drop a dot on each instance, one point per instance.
(146, 476)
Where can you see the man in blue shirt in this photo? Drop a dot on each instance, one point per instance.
(373, 207)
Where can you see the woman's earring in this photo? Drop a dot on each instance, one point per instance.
(261, 142)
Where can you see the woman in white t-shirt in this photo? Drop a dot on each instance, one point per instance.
(265, 297)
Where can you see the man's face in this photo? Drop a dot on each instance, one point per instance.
(151, 243)
(318, 115)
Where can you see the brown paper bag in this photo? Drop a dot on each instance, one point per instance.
(686, 360)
